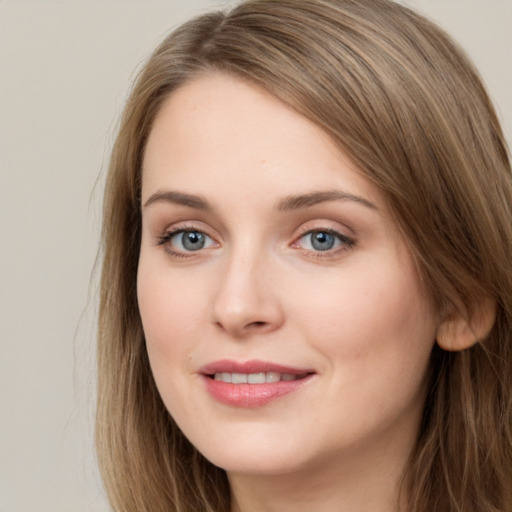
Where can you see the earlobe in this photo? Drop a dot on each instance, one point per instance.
(461, 328)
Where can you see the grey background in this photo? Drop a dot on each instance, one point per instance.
(65, 68)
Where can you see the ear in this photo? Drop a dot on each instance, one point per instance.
(461, 327)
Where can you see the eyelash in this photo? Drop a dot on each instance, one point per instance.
(346, 243)
(165, 238)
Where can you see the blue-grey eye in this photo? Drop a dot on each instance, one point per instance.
(190, 241)
(323, 240)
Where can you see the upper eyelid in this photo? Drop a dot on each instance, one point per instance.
(304, 229)
(163, 236)
(171, 232)
(324, 225)
(194, 225)
(331, 231)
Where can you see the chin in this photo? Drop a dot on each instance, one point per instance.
(255, 463)
(274, 458)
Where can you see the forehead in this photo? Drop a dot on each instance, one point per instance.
(217, 130)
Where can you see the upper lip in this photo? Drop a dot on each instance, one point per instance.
(253, 366)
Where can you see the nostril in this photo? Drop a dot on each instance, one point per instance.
(257, 324)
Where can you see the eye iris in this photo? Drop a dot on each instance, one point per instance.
(192, 240)
(322, 241)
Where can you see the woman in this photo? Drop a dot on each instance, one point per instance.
(306, 293)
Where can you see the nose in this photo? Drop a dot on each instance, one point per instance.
(247, 300)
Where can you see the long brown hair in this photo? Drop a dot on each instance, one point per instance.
(403, 101)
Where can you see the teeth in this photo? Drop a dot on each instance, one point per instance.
(255, 378)
(239, 378)
(273, 377)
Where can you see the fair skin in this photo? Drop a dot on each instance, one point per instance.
(262, 242)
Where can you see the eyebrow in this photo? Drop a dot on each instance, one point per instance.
(297, 202)
(179, 198)
(293, 202)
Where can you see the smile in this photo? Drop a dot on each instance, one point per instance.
(252, 383)
(256, 378)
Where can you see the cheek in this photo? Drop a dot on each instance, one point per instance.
(377, 321)
(168, 316)
(376, 337)
(168, 305)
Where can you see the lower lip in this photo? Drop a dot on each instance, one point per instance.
(251, 395)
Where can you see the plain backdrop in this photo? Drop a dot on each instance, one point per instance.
(65, 69)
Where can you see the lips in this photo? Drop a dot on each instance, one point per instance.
(252, 383)
(256, 378)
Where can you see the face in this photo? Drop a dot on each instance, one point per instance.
(285, 322)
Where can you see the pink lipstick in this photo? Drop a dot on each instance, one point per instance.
(252, 383)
